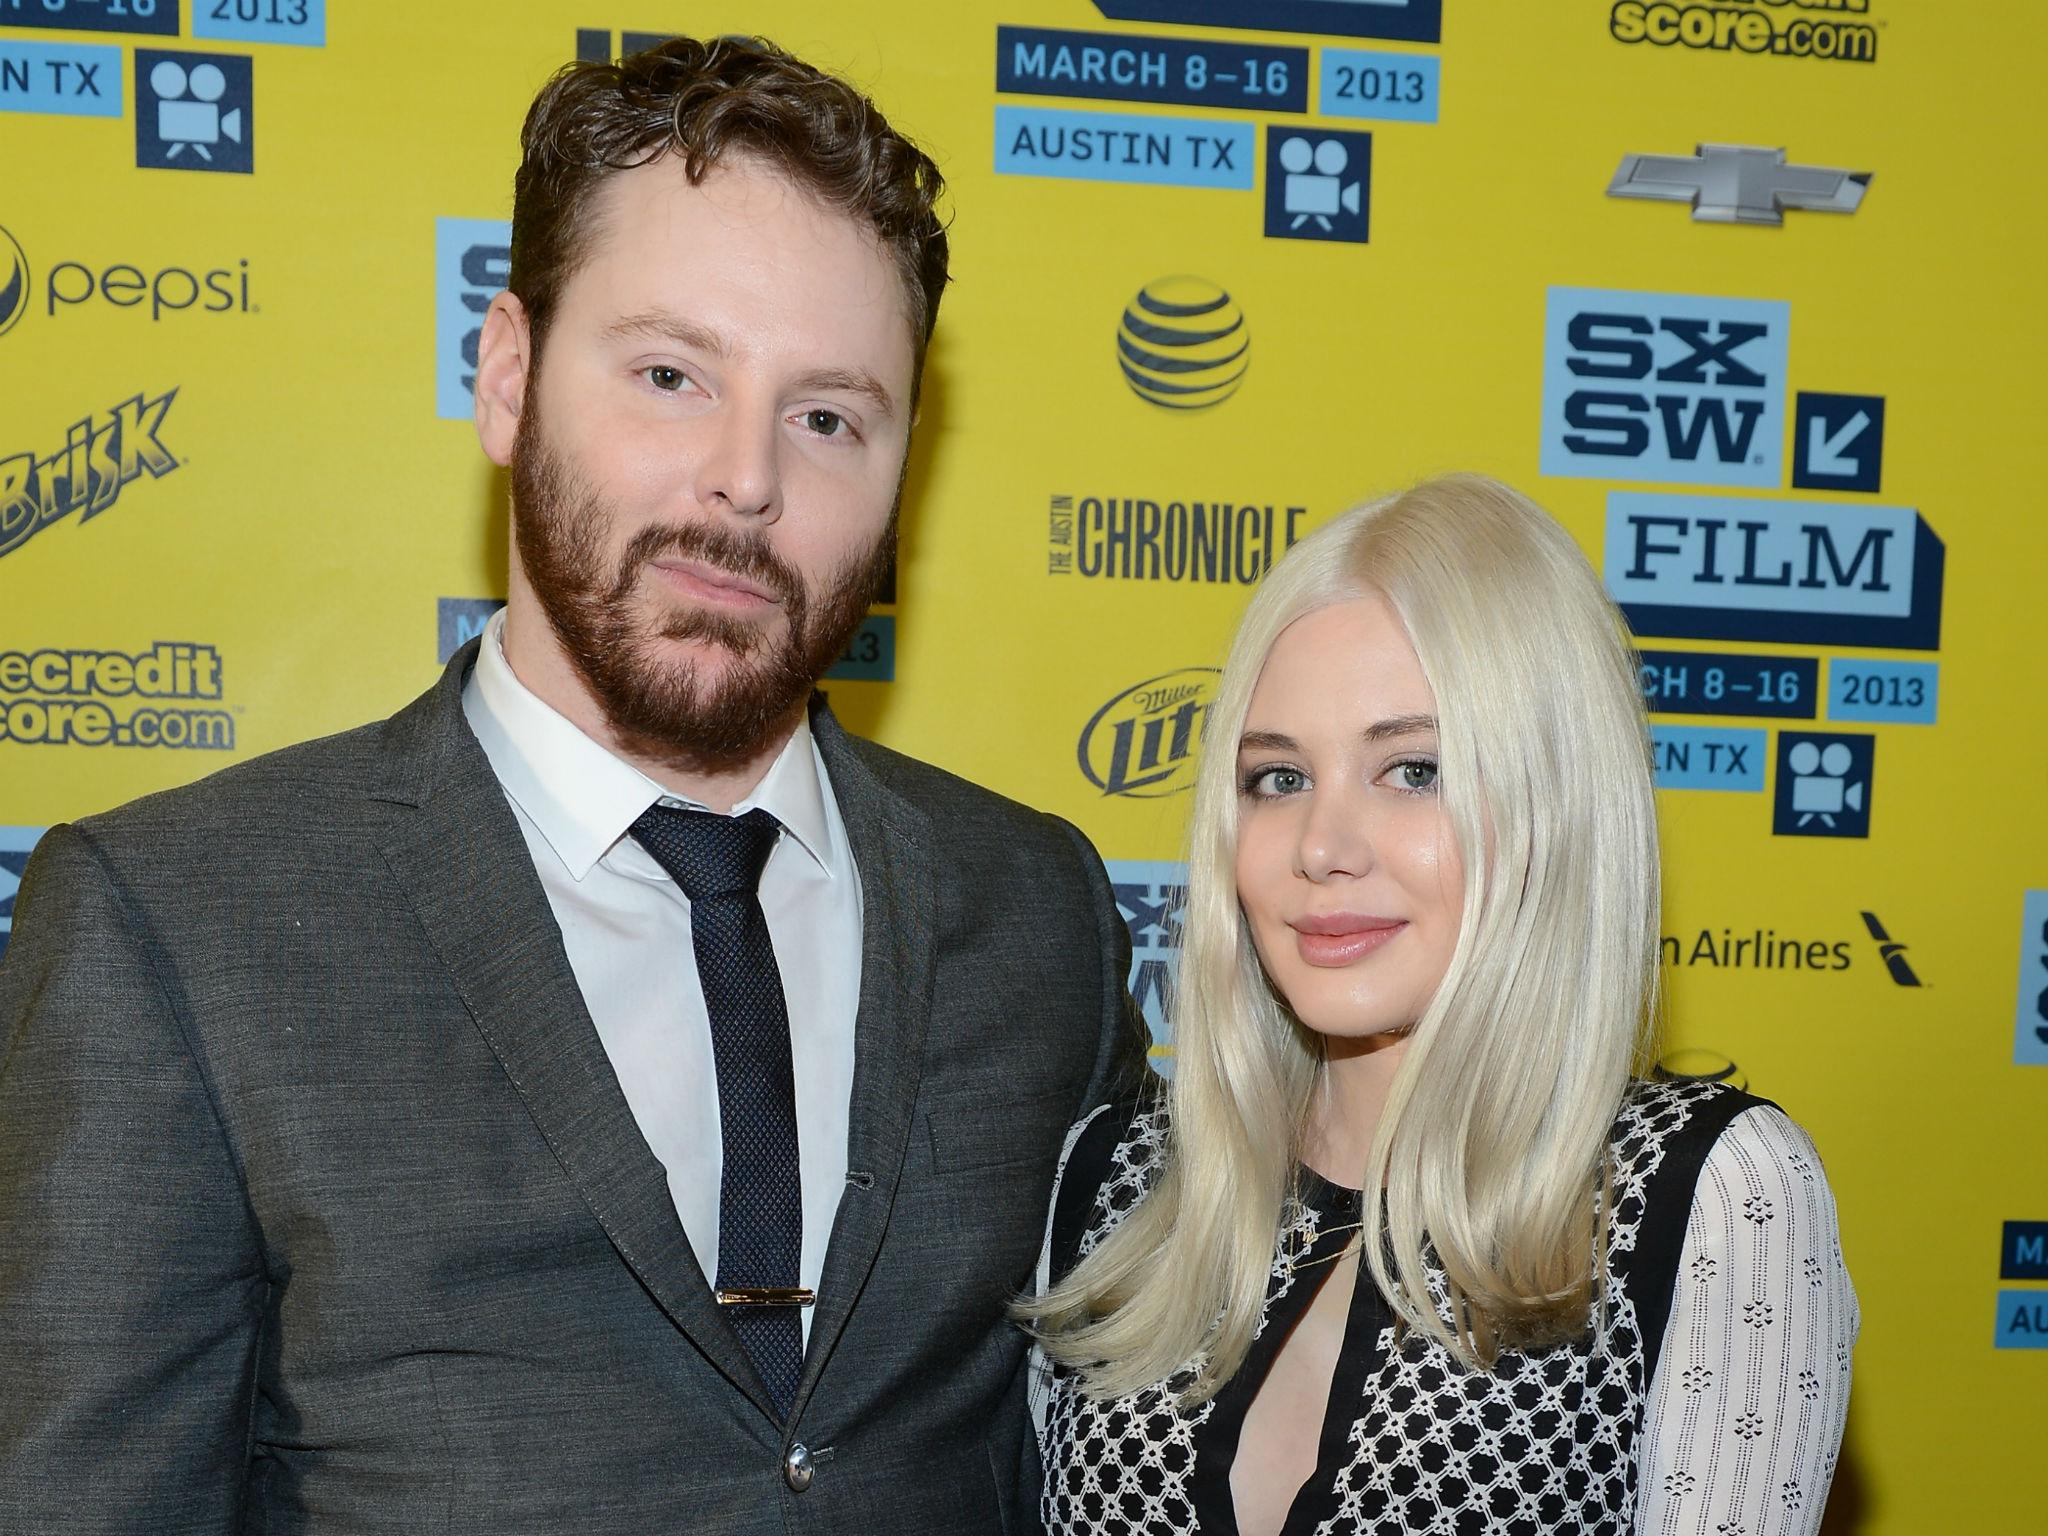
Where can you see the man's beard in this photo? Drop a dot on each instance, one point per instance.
(662, 710)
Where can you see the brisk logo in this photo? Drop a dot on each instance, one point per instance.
(1647, 386)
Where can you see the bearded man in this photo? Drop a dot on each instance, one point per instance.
(605, 1096)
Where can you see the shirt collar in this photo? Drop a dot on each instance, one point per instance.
(582, 798)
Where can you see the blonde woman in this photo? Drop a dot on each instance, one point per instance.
(1404, 1247)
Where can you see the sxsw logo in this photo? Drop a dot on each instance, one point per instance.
(15, 845)
(1665, 387)
(472, 262)
(1817, 573)
(1152, 898)
(2030, 1014)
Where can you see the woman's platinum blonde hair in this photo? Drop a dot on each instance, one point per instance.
(1488, 1159)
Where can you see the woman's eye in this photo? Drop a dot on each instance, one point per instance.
(823, 422)
(1416, 776)
(666, 379)
(1271, 783)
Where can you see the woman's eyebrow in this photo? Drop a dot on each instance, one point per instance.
(1380, 730)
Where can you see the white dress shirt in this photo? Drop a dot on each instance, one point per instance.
(626, 926)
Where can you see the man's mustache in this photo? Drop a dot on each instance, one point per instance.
(748, 557)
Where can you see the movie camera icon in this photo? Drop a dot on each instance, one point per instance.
(1316, 189)
(188, 114)
(1820, 787)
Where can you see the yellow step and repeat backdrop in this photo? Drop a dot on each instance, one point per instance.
(1747, 291)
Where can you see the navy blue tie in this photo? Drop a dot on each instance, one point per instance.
(718, 860)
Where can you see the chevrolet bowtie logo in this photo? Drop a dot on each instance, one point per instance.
(1735, 184)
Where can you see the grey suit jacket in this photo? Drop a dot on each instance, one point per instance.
(321, 1209)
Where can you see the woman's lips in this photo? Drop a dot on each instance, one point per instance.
(1342, 938)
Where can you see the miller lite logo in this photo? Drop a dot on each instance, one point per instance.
(1142, 743)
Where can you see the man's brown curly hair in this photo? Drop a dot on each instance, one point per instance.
(701, 101)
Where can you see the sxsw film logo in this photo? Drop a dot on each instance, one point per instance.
(100, 458)
(1823, 784)
(1152, 897)
(2030, 1023)
(16, 843)
(1183, 344)
(1667, 387)
(1318, 185)
(472, 262)
(1818, 573)
(194, 111)
(1142, 742)
(1838, 442)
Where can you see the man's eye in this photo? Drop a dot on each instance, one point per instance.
(823, 422)
(667, 379)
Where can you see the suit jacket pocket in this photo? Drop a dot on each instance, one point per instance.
(979, 1129)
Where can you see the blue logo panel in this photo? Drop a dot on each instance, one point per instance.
(1838, 442)
(68, 79)
(1818, 573)
(1392, 87)
(1728, 683)
(2023, 1251)
(1318, 184)
(1123, 147)
(300, 22)
(1899, 692)
(1152, 897)
(1823, 785)
(2030, 1022)
(159, 19)
(194, 111)
(870, 656)
(16, 843)
(459, 620)
(1664, 387)
(1109, 66)
(2022, 1320)
(1708, 757)
(472, 262)
(594, 44)
(1414, 21)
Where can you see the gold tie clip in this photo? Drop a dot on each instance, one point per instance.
(766, 1296)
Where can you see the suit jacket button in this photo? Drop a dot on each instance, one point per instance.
(796, 1468)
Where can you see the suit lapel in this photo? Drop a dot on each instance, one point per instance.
(456, 850)
(891, 842)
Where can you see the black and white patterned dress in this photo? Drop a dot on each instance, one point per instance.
(1706, 1400)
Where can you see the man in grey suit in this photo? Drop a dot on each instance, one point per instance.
(604, 1097)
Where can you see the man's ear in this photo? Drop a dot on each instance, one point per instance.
(504, 361)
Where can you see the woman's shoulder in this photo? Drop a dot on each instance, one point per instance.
(1112, 1158)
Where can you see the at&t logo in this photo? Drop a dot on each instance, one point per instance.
(1142, 742)
(1183, 344)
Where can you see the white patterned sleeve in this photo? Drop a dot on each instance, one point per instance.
(1744, 1418)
